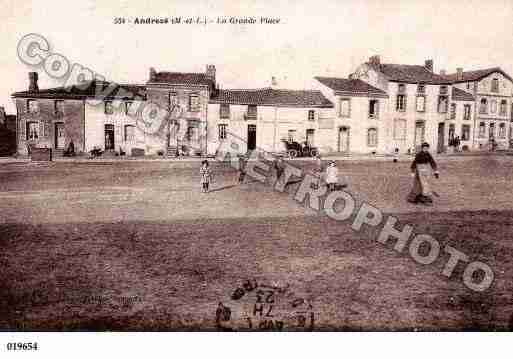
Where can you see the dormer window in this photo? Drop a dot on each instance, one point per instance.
(495, 85)
(33, 106)
(311, 115)
(421, 89)
(401, 88)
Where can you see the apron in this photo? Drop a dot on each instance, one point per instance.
(421, 184)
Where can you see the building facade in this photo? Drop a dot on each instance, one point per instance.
(378, 109)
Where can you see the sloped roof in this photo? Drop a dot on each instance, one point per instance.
(460, 95)
(408, 73)
(468, 76)
(272, 97)
(182, 78)
(91, 89)
(350, 86)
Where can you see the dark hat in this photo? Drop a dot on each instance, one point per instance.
(425, 144)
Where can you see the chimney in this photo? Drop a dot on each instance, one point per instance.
(442, 73)
(211, 73)
(375, 60)
(429, 65)
(459, 73)
(153, 74)
(33, 87)
(274, 83)
(2, 116)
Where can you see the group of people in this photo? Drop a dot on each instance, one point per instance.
(422, 167)
(455, 142)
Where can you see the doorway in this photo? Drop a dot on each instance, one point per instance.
(420, 130)
(109, 137)
(60, 139)
(441, 137)
(310, 137)
(251, 137)
(343, 139)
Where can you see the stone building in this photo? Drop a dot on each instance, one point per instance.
(379, 108)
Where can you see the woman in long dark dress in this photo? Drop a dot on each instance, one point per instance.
(422, 167)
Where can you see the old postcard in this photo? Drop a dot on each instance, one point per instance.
(255, 166)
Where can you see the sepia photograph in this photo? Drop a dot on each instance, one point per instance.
(290, 169)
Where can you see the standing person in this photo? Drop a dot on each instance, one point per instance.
(421, 168)
(206, 175)
(242, 168)
(317, 171)
(279, 166)
(332, 176)
(457, 144)
(396, 155)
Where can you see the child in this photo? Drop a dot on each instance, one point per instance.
(332, 176)
(318, 172)
(206, 175)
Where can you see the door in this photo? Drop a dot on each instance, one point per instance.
(419, 135)
(452, 131)
(343, 139)
(310, 137)
(60, 140)
(109, 137)
(441, 137)
(251, 137)
(491, 131)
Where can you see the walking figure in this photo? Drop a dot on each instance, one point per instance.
(206, 175)
(332, 176)
(422, 167)
(242, 168)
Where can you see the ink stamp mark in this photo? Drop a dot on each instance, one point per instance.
(260, 306)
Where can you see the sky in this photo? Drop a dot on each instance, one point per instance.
(313, 38)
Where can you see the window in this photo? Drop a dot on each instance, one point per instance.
(442, 104)
(373, 108)
(495, 85)
(173, 99)
(128, 106)
(311, 115)
(465, 132)
(310, 135)
(493, 106)
(252, 112)
(33, 106)
(466, 112)
(421, 89)
(372, 137)
(194, 103)
(483, 106)
(453, 111)
(222, 131)
(292, 135)
(58, 107)
(399, 129)
(400, 104)
(482, 129)
(129, 133)
(108, 108)
(443, 90)
(421, 103)
(192, 130)
(504, 108)
(32, 130)
(224, 111)
(401, 88)
(345, 107)
(502, 130)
